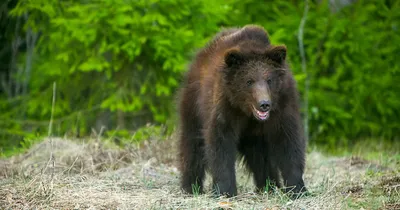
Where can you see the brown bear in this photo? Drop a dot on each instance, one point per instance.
(240, 98)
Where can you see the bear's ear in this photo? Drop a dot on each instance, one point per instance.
(277, 54)
(281, 72)
(234, 58)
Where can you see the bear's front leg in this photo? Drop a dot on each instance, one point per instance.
(221, 155)
(292, 169)
(291, 155)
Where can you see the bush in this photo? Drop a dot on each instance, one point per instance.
(351, 62)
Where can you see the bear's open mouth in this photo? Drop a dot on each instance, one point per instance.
(260, 115)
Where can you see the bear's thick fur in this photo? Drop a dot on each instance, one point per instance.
(240, 98)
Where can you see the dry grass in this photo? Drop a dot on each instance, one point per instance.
(91, 175)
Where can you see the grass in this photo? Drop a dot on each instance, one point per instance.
(92, 174)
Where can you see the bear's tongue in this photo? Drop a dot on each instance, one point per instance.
(262, 115)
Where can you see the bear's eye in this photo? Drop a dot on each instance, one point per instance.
(269, 81)
(249, 82)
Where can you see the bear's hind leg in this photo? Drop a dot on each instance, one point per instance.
(192, 162)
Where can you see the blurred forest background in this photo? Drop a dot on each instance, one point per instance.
(115, 65)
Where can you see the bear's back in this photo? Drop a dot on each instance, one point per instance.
(248, 40)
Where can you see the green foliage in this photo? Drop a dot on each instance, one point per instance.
(112, 56)
(351, 60)
(118, 63)
(26, 143)
(125, 137)
(129, 56)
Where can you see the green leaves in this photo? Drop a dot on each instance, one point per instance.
(351, 58)
(130, 56)
(120, 55)
(354, 64)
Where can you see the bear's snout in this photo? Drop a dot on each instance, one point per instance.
(264, 105)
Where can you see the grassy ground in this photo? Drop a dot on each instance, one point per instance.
(65, 174)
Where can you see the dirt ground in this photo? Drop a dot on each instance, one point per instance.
(73, 174)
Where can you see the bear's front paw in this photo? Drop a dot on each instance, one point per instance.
(227, 190)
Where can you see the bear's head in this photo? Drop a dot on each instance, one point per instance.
(253, 80)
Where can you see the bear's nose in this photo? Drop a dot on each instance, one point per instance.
(265, 105)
